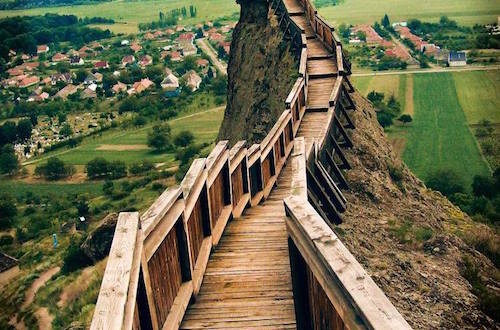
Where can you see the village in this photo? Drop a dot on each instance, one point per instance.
(415, 44)
(159, 62)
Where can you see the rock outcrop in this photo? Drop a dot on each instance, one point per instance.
(261, 72)
(410, 239)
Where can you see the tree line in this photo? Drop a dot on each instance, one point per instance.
(23, 34)
(169, 18)
(25, 4)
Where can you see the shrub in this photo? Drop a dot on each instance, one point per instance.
(159, 138)
(6, 240)
(446, 181)
(141, 168)
(423, 234)
(101, 168)
(74, 258)
(54, 169)
(395, 172)
(184, 139)
(8, 211)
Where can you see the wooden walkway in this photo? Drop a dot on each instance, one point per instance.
(247, 283)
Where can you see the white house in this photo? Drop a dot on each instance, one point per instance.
(457, 59)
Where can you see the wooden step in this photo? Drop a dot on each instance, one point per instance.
(322, 68)
(319, 94)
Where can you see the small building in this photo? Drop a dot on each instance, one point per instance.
(457, 59)
(193, 80)
(128, 60)
(119, 87)
(101, 65)
(175, 56)
(42, 49)
(171, 82)
(202, 63)
(58, 57)
(124, 42)
(145, 61)
(142, 85)
(76, 60)
(149, 36)
(67, 91)
(136, 47)
(189, 49)
(29, 81)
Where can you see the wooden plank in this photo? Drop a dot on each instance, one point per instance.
(351, 290)
(160, 207)
(110, 307)
(340, 59)
(336, 91)
(131, 305)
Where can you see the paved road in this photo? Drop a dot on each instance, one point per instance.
(430, 70)
(203, 44)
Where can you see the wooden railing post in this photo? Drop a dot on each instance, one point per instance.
(114, 309)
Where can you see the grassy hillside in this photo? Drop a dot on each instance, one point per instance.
(443, 106)
(466, 12)
(128, 14)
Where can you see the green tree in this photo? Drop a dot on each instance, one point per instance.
(9, 163)
(446, 181)
(385, 22)
(160, 138)
(183, 139)
(405, 119)
(66, 130)
(97, 167)
(24, 128)
(54, 169)
(8, 211)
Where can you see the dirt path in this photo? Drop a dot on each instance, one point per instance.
(44, 319)
(74, 289)
(409, 105)
(39, 282)
(202, 43)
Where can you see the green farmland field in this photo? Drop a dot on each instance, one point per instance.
(440, 136)
(128, 14)
(466, 12)
(443, 106)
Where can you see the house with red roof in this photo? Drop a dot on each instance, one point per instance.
(29, 81)
(136, 47)
(202, 63)
(42, 49)
(58, 57)
(146, 60)
(128, 60)
(149, 36)
(101, 65)
(175, 56)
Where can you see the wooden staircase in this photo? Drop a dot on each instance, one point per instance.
(247, 283)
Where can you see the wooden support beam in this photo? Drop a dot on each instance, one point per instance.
(336, 170)
(337, 150)
(321, 199)
(347, 143)
(350, 124)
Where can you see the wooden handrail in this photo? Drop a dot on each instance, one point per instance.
(356, 301)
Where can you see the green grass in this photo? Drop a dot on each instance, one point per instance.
(130, 13)
(204, 126)
(466, 12)
(479, 95)
(439, 136)
(19, 189)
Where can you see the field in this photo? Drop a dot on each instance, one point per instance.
(130, 146)
(465, 12)
(443, 106)
(128, 14)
